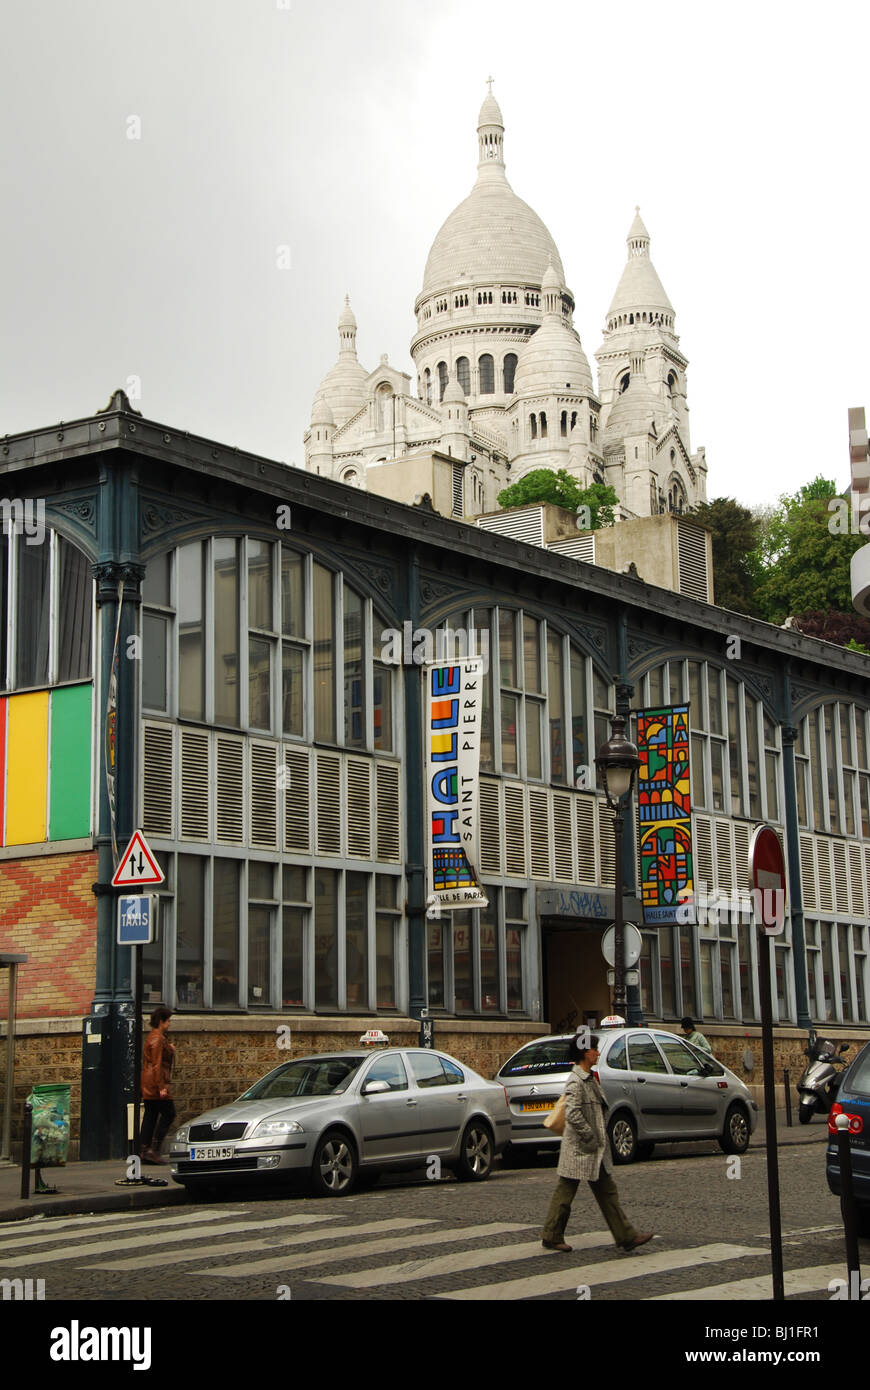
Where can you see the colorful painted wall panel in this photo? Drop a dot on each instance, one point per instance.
(69, 816)
(46, 777)
(664, 812)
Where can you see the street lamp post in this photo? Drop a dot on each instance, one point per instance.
(617, 761)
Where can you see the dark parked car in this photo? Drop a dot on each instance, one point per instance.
(853, 1099)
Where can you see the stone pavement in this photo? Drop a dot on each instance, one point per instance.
(90, 1187)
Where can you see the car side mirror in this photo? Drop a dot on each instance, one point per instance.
(375, 1088)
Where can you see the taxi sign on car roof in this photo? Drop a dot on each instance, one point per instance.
(612, 1021)
(374, 1035)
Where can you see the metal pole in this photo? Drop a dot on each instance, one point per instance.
(25, 1152)
(6, 1146)
(137, 1043)
(619, 929)
(786, 1081)
(770, 1121)
(847, 1206)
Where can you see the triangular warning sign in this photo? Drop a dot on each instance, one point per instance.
(137, 864)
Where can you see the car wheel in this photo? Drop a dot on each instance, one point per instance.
(806, 1113)
(735, 1136)
(623, 1138)
(476, 1153)
(645, 1149)
(335, 1166)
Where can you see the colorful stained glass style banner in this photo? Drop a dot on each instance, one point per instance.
(453, 705)
(664, 812)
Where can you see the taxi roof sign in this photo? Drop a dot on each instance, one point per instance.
(612, 1021)
(374, 1035)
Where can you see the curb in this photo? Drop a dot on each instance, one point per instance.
(99, 1201)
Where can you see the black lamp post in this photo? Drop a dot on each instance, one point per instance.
(617, 761)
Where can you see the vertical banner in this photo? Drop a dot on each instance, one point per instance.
(452, 713)
(664, 813)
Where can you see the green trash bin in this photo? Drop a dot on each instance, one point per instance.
(50, 1134)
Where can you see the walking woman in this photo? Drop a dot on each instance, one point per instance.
(159, 1108)
(584, 1155)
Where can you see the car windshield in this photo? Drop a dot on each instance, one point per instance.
(551, 1056)
(308, 1076)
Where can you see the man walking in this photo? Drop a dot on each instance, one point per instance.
(583, 1155)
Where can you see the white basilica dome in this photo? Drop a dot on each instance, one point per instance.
(493, 237)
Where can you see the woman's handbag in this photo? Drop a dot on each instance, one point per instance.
(556, 1118)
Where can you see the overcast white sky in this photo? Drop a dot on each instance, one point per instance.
(346, 132)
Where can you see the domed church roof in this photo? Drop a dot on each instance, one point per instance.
(552, 359)
(344, 386)
(640, 286)
(492, 236)
(633, 413)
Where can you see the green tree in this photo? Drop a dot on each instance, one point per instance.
(735, 539)
(802, 562)
(559, 488)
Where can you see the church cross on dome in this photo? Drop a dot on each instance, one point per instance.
(490, 81)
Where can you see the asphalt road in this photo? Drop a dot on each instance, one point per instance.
(410, 1238)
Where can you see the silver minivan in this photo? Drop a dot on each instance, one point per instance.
(658, 1089)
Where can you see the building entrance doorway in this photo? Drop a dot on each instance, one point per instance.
(574, 973)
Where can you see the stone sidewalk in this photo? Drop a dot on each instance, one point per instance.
(90, 1187)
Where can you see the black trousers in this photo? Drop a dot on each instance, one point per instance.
(159, 1115)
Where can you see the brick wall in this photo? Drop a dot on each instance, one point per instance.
(48, 912)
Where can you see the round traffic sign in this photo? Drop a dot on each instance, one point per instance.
(633, 944)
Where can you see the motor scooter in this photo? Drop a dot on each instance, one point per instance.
(820, 1081)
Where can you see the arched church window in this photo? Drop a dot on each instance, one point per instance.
(427, 386)
(672, 383)
(486, 367)
(623, 383)
(543, 424)
(442, 379)
(533, 421)
(573, 418)
(631, 318)
(463, 372)
(510, 367)
(563, 425)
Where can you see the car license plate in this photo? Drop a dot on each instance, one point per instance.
(211, 1151)
(536, 1105)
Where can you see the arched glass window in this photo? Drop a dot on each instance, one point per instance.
(563, 424)
(543, 424)
(623, 382)
(442, 380)
(533, 421)
(427, 386)
(486, 369)
(510, 367)
(463, 372)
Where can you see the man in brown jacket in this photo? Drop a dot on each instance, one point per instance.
(583, 1154)
(159, 1108)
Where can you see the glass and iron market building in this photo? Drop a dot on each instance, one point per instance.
(265, 732)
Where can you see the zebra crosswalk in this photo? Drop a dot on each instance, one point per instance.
(334, 1250)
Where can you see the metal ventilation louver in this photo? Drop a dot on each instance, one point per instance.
(387, 821)
(692, 561)
(264, 795)
(158, 779)
(359, 808)
(195, 786)
(230, 791)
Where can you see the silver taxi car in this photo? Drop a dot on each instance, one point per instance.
(337, 1116)
(658, 1089)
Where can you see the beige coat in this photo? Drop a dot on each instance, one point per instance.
(584, 1144)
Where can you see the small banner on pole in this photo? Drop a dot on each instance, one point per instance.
(664, 813)
(452, 711)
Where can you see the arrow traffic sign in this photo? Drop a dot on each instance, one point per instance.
(137, 864)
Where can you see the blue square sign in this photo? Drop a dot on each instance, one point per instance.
(137, 919)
